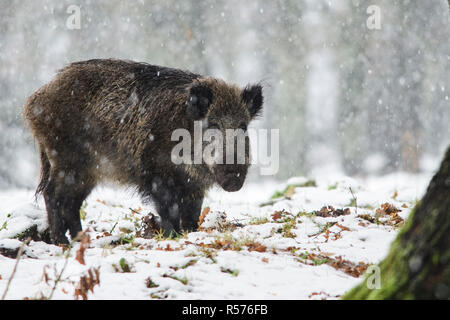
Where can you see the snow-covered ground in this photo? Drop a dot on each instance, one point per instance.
(252, 245)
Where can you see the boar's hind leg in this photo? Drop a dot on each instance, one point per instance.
(56, 222)
(64, 194)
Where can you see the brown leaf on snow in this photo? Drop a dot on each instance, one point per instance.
(343, 228)
(355, 270)
(257, 247)
(84, 244)
(328, 254)
(395, 220)
(330, 211)
(351, 268)
(386, 209)
(327, 235)
(367, 217)
(277, 215)
(202, 217)
(321, 293)
(87, 283)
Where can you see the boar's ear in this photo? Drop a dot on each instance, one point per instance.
(200, 97)
(253, 99)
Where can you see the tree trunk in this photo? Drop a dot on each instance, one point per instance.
(418, 263)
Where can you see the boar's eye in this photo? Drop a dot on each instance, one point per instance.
(204, 102)
(213, 125)
(243, 126)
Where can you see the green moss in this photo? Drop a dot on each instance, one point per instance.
(123, 267)
(83, 211)
(306, 214)
(233, 272)
(352, 203)
(33, 233)
(394, 269)
(393, 272)
(290, 189)
(5, 224)
(183, 280)
(318, 262)
(149, 283)
(160, 236)
(259, 220)
(189, 264)
(287, 229)
(333, 187)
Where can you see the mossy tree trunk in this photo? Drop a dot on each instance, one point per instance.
(418, 263)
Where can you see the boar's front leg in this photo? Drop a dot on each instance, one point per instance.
(165, 198)
(178, 203)
(190, 210)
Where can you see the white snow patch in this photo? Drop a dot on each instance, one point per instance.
(195, 266)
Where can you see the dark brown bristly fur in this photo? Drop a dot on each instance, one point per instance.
(113, 119)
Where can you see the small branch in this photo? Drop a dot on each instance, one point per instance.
(354, 198)
(60, 274)
(114, 226)
(68, 250)
(132, 210)
(19, 255)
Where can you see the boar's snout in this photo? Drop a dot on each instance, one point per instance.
(231, 179)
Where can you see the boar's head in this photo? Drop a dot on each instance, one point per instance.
(224, 112)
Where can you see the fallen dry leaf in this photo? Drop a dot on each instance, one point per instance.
(84, 244)
(343, 228)
(386, 209)
(87, 283)
(277, 215)
(202, 217)
(257, 247)
(330, 211)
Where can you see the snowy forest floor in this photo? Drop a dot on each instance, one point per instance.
(267, 241)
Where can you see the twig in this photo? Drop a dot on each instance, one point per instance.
(19, 255)
(354, 198)
(69, 248)
(114, 226)
(60, 274)
(132, 210)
